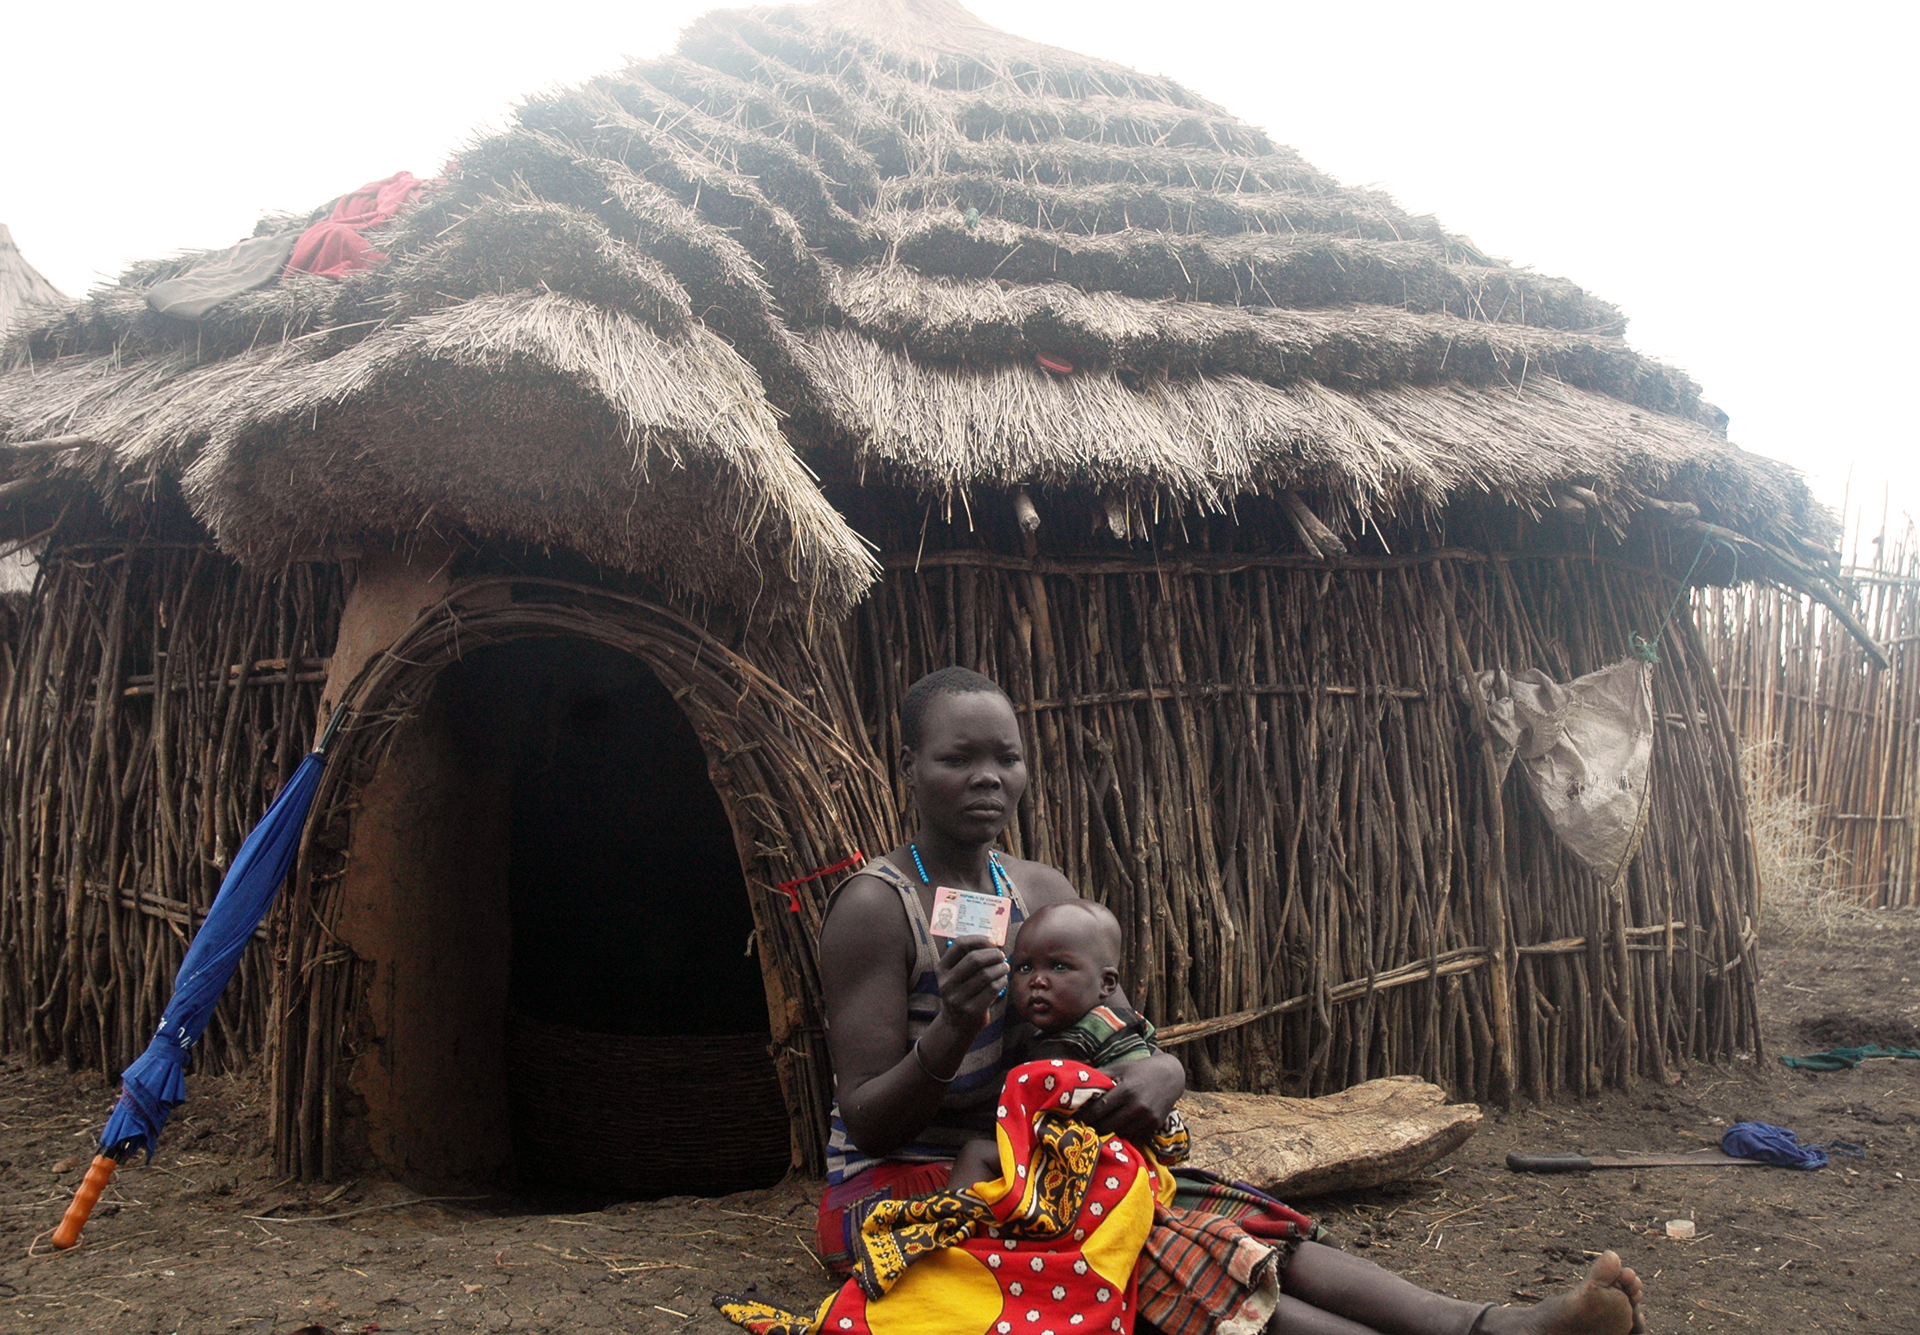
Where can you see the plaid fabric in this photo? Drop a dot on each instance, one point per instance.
(1202, 1274)
(1244, 1203)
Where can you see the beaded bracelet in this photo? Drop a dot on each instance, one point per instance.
(927, 1071)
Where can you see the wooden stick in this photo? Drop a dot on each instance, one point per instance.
(1420, 971)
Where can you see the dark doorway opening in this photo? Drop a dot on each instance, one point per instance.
(636, 1057)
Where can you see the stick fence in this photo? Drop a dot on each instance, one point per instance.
(160, 696)
(1844, 736)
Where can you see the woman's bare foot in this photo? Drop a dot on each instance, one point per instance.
(1606, 1302)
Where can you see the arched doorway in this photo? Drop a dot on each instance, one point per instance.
(567, 996)
(409, 843)
(636, 1044)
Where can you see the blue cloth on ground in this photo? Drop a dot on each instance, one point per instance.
(1778, 1146)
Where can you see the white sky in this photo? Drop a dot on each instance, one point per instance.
(1725, 172)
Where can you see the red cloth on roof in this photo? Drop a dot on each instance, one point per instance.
(335, 247)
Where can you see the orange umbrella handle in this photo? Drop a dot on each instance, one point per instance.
(98, 1175)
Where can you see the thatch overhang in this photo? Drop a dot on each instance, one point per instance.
(853, 230)
(537, 418)
(1208, 440)
(542, 419)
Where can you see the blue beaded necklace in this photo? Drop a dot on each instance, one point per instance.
(1002, 883)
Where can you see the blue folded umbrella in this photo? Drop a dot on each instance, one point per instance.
(156, 1083)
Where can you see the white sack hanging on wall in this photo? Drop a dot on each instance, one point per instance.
(1586, 750)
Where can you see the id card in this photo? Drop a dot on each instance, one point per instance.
(970, 913)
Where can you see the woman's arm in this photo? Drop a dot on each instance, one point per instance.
(1144, 1093)
(888, 1094)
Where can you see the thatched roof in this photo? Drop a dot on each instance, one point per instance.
(22, 288)
(851, 233)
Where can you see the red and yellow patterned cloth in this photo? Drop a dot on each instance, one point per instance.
(1047, 1248)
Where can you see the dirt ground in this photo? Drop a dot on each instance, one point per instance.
(207, 1240)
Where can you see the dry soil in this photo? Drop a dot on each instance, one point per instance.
(208, 1240)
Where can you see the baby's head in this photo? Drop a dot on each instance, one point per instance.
(1066, 961)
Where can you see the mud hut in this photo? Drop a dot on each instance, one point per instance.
(699, 411)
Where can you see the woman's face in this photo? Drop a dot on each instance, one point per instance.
(969, 771)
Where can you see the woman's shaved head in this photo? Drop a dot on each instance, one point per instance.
(947, 681)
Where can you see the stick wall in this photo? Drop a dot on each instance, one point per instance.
(160, 696)
(1261, 764)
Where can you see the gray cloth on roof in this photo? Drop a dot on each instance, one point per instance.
(1586, 750)
(214, 277)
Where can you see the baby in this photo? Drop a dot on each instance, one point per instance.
(1065, 967)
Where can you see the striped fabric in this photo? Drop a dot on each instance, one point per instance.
(1203, 1274)
(1196, 1189)
(967, 1111)
(1105, 1037)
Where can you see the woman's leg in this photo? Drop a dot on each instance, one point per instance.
(1347, 1286)
(1605, 1303)
(1293, 1317)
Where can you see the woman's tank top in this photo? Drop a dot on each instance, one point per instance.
(966, 1112)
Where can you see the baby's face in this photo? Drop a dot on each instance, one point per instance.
(1058, 974)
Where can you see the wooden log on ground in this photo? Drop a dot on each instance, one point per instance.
(1377, 1132)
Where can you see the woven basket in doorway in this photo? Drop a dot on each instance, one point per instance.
(643, 1117)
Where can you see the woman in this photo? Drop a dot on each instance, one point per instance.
(916, 1037)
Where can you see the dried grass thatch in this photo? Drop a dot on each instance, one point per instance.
(975, 323)
(888, 210)
(539, 418)
(1212, 438)
(546, 420)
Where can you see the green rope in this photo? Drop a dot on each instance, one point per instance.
(1844, 1059)
(1650, 653)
